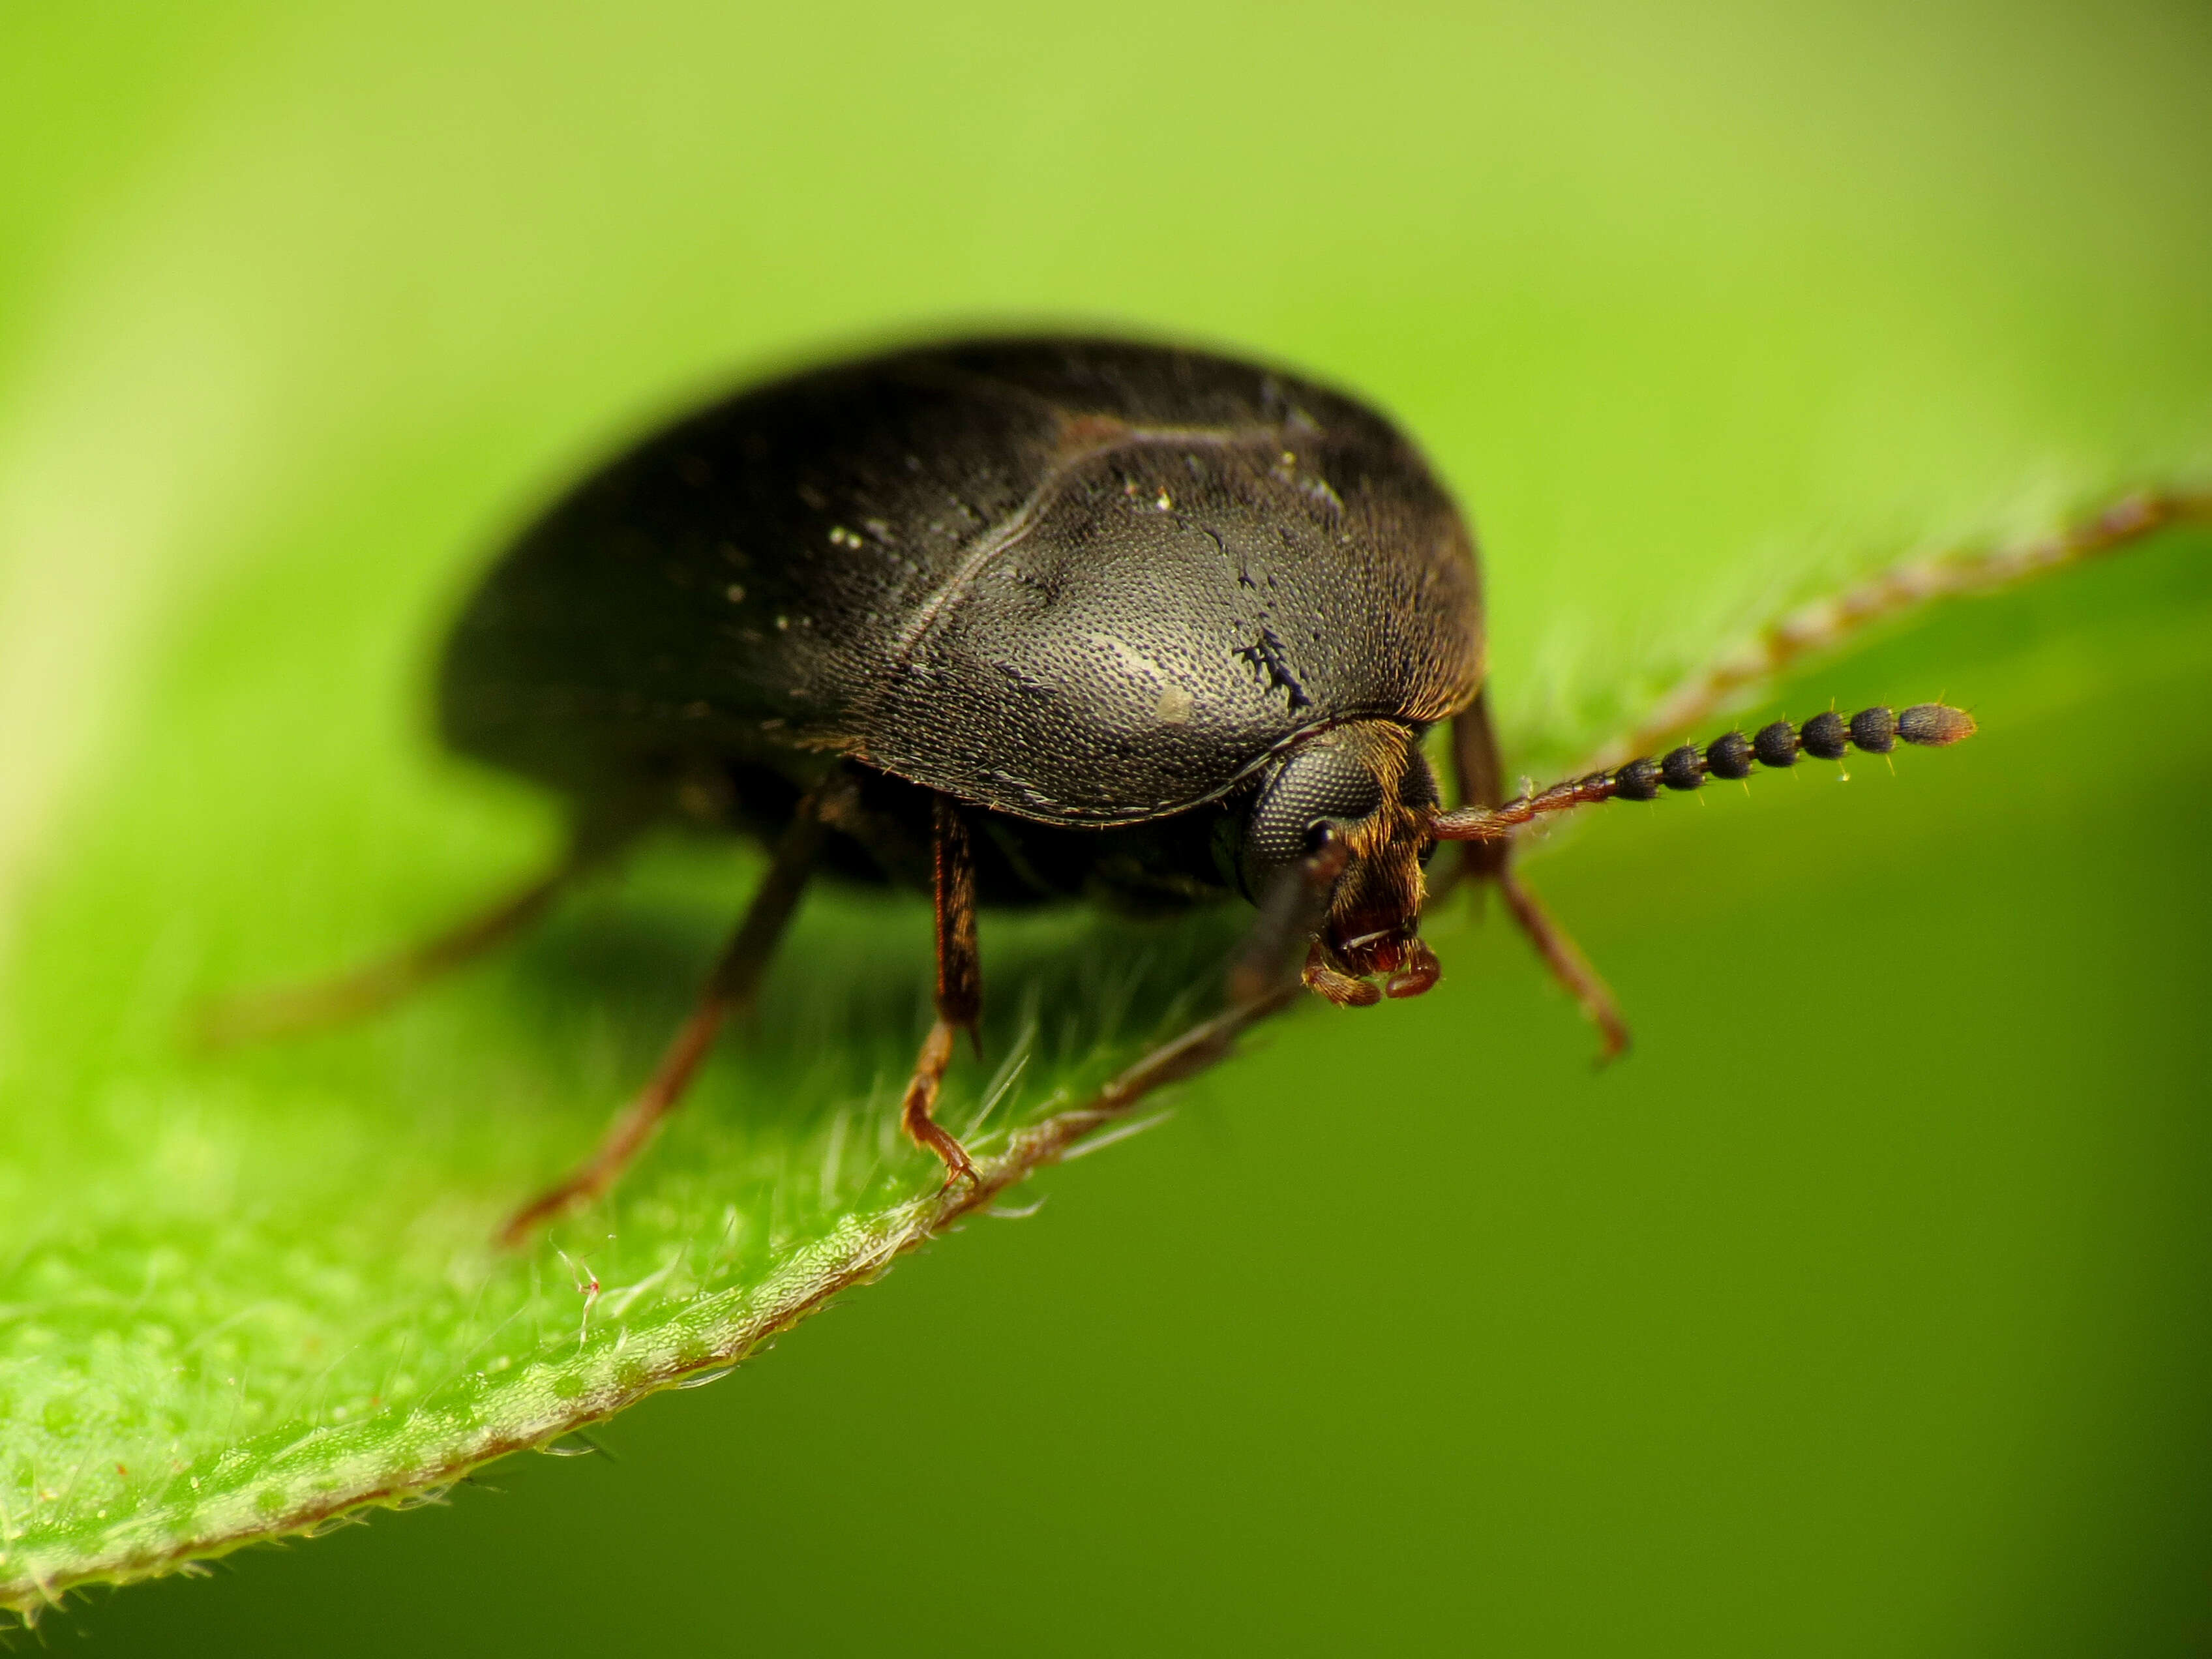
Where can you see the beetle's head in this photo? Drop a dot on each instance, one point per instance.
(1362, 789)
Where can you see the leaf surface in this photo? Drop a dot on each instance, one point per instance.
(264, 412)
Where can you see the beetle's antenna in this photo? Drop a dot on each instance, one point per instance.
(1877, 731)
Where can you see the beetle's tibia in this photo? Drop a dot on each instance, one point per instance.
(1827, 737)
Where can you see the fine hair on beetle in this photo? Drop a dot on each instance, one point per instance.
(1021, 621)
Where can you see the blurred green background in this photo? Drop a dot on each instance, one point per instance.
(1862, 1309)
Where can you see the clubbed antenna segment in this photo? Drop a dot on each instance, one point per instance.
(1825, 737)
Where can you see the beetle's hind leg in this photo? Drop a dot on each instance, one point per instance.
(959, 990)
(729, 990)
(284, 1009)
(1482, 783)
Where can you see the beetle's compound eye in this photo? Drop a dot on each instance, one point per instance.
(1320, 787)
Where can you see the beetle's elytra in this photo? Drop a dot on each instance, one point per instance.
(1021, 620)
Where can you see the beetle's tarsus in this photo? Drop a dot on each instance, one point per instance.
(633, 1125)
(917, 1112)
(1570, 966)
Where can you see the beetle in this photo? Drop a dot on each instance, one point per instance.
(1016, 621)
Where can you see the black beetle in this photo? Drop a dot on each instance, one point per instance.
(1016, 621)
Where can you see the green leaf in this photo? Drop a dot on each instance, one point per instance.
(278, 375)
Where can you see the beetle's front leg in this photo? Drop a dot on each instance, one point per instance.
(1482, 783)
(959, 989)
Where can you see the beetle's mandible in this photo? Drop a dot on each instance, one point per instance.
(1016, 621)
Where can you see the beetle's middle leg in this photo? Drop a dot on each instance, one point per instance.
(959, 989)
(1482, 783)
(729, 990)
